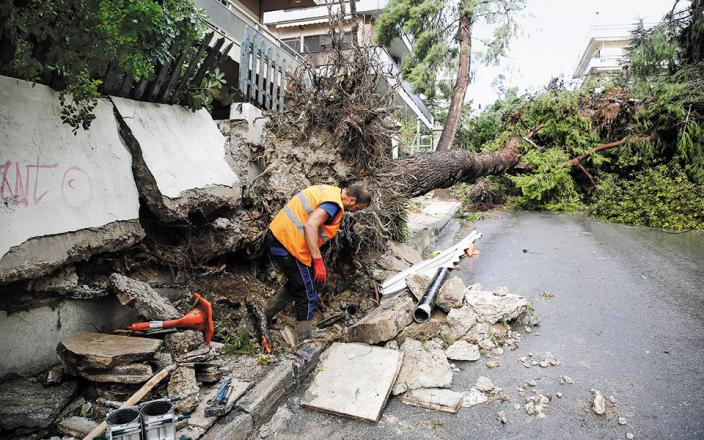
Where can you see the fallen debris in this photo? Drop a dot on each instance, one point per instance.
(279, 421)
(183, 384)
(424, 366)
(473, 397)
(146, 300)
(622, 421)
(447, 258)
(434, 398)
(129, 373)
(463, 351)
(354, 380)
(484, 384)
(384, 322)
(83, 350)
(566, 380)
(501, 417)
(492, 308)
(599, 402)
(493, 364)
(537, 405)
(26, 404)
(76, 426)
(451, 294)
(423, 331)
(460, 321)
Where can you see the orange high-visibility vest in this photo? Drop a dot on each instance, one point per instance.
(287, 226)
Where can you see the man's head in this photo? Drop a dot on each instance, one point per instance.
(356, 197)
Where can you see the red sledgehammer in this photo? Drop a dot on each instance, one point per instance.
(199, 318)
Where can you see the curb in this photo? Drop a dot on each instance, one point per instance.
(257, 406)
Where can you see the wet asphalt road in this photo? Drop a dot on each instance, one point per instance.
(627, 318)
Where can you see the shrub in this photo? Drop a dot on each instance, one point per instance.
(659, 197)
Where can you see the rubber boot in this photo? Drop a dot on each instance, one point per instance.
(277, 303)
(303, 330)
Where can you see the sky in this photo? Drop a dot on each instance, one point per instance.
(551, 38)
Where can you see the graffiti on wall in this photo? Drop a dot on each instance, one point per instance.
(29, 184)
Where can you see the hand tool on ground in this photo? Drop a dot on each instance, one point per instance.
(199, 318)
(217, 406)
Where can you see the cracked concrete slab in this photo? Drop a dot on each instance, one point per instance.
(178, 158)
(63, 196)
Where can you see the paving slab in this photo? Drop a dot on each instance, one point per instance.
(102, 350)
(354, 380)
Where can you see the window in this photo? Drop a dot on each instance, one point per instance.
(323, 42)
(293, 43)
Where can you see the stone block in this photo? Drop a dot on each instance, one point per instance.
(234, 426)
(307, 358)
(384, 322)
(266, 396)
(492, 308)
(99, 350)
(78, 427)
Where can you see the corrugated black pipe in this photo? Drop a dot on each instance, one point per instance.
(427, 302)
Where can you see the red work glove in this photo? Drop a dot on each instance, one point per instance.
(321, 274)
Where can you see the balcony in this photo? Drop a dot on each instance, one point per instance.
(230, 20)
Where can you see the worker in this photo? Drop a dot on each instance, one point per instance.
(308, 221)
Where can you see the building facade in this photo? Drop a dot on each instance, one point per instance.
(606, 53)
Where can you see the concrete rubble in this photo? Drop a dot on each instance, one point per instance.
(599, 402)
(142, 297)
(76, 426)
(494, 308)
(460, 321)
(463, 351)
(439, 399)
(537, 405)
(26, 404)
(424, 366)
(451, 294)
(384, 322)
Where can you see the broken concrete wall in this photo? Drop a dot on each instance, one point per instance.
(63, 197)
(179, 159)
(28, 339)
(246, 127)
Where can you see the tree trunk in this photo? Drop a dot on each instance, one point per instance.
(461, 83)
(442, 169)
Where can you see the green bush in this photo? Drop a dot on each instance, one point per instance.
(659, 197)
(69, 44)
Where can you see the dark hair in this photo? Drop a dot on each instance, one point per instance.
(360, 193)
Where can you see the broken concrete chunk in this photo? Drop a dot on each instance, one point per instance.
(537, 405)
(183, 384)
(460, 322)
(473, 397)
(492, 309)
(53, 375)
(130, 373)
(566, 379)
(146, 300)
(418, 284)
(420, 332)
(78, 427)
(424, 366)
(187, 346)
(265, 397)
(279, 421)
(599, 402)
(493, 364)
(31, 405)
(451, 294)
(173, 177)
(354, 380)
(385, 322)
(463, 351)
(103, 351)
(484, 384)
(434, 398)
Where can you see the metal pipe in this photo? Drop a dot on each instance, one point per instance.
(427, 302)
